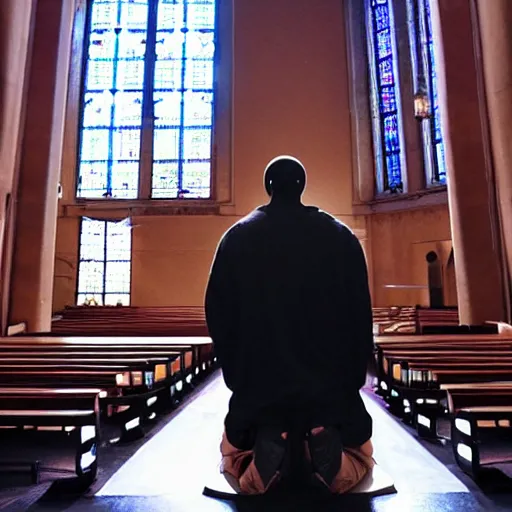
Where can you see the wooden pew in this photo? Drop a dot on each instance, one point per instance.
(21, 407)
(118, 366)
(173, 311)
(386, 344)
(179, 359)
(130, 388)
(476, 409)
(394, 318)
(140, 321)
(100, 320)
(114, 348)
(170, 370)
(441, 319)
(467, 377)
(199, 348)
(412, 319)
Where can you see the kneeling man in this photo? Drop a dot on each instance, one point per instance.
(289, 311)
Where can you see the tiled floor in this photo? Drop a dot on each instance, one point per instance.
(168, 472)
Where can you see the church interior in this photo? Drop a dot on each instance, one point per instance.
(134, 133)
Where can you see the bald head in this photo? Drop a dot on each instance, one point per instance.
(285, 178)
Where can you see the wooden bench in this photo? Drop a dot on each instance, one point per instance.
(130, 389)
(412, 319)
(22, 407)
(105, 320)
(197, 351)
(187, 321)
(466, 377)
(398, 356)
(475, 408)
(386, 345)
(178, 361)
(169, 366)
(132, 372)
(168, 383)
(198, 348)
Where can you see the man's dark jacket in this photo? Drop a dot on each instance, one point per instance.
(289, 311)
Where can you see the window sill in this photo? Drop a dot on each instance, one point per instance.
(138, 207)
(434, 196)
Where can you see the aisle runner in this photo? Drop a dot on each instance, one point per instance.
(179, 459)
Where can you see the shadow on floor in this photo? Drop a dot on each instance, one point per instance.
(298, 503)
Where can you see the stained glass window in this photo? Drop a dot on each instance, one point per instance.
(148, 97)
(104, 267)
(439, 160)
(386, 89)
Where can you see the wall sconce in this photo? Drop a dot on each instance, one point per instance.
(422, 104)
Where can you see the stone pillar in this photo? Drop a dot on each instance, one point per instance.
(495, 20)
(364, 188)
(475, 231)
(36, 202)
(17, 19)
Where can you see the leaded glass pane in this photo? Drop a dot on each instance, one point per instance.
(382, 17)
(165, 180)
(391, 136)
(125, 179)
(113, 299)
(439, 173)
(197, 144)
(167, 144)
(183, 97)
(168, 109)
(92, 240)
(196, 178)
(83, 299)
(114, 95)
(441, 157)
(388, 100)
(386, 73)
(119, 245)
(112, 99)
(384, 44)
(381, 34)
(437, 125)
(198, 109)
(394, 173)
(118, 277)
(91, 275)
(93, 176)
(105, 261)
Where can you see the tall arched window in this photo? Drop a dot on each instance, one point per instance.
(425, 65)
(147, 99)
(385, 95)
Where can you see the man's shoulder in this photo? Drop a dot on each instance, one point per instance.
(334, 224)
(244, 225)
(256, 220)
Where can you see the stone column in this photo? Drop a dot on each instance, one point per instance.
(475, 231)
(36, 202)
(495, 21)
(17, 19)
(360, 112)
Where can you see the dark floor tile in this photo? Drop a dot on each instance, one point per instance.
(452, 502)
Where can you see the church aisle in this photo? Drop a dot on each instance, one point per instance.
(171, 469)
(189, 447)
